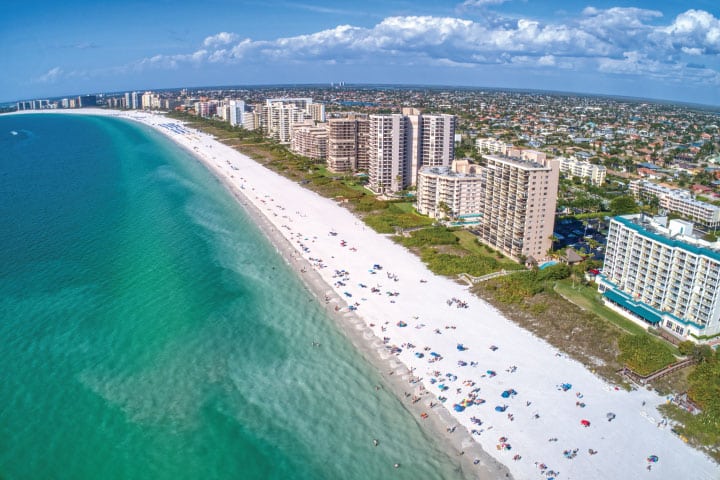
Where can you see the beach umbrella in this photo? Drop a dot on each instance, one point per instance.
(584, 423)
(505, 394)
(653, 459)
(458, 407)
(435, 354)
(610, 416)
(500, 408)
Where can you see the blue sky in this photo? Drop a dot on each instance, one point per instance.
(656, 49)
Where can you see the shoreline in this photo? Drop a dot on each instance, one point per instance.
(394, 373)
(423, 327)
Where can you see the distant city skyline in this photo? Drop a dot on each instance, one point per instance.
(662, 50)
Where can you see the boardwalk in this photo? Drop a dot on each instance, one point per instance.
(645, 379)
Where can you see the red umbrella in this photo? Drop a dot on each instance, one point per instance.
(584, 423)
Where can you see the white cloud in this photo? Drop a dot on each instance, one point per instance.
(546, 61)
(694, 29)
(482, 3)
(222, 38)
(692, 50)
(618, 40)
(51, 76)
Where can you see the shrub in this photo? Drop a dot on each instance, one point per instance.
(643, 354)
(446, 264)
(686, 348)
(430, 236)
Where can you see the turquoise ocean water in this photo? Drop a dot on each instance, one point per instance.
(149, 331)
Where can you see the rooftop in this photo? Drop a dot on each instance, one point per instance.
(672, 234)
(525, 164)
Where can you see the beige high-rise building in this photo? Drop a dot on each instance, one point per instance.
(363, 144)
(518, 206)
(280, 117)
(309, 140)
(430, 141)
(438, 140)
(342, 144)
(347, 143)
(414, 135)
(387, 154)
(426, 140)
(317, 111)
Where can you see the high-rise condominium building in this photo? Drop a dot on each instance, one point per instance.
(282, 113)
(429, 140)
(252, 120)
(657, 273)
(309, 140)
(347, 143)
(414, 137)
(363, 144)
(451, 192)
(518, 204)
(386, 154)
(317, 111)
(237, 109)
(87, 101)
(135, 101)
(437, 147)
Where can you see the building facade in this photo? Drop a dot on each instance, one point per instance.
(280, 118)
(428, 140)
(493, 146)
(387, 153)
(657, 274)
(437, 146)
(573, 167)
(309, 141)
(518, 206)
(677, 201)
(451, 192)
(237, 110)
(342, 154)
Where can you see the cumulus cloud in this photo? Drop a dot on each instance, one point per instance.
(629, 41)
(222, 38)
(695, 29)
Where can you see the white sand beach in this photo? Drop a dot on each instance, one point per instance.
(459, 349)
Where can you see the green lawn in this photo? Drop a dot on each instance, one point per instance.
(587, 298)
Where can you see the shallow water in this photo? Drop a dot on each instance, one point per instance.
(150, 331)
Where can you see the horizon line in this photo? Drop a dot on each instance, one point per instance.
(331, 85)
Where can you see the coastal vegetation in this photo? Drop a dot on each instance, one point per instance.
(554, 303)
(584, 328)
(644, 354)
(701, 429)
